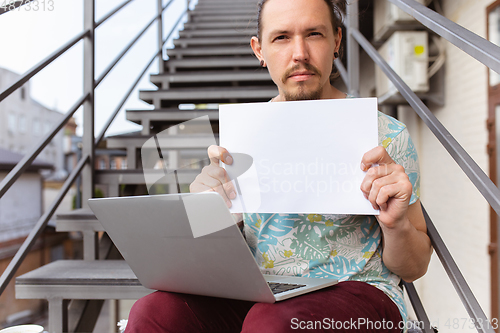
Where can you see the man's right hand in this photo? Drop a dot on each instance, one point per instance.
(213, 178)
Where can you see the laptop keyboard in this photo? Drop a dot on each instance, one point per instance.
(277, 288)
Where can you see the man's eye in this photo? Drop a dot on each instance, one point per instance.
(315, 33)
(281, 37)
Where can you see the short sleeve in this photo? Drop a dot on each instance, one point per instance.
(403, 152)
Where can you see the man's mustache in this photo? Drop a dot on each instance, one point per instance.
(298, 67)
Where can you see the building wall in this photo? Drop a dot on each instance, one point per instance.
(21, 206)
(24, 123)
(458, 210)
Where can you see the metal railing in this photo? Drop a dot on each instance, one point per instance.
(483, 51)
(87, 100)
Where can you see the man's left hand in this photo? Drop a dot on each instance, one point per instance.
(386, 186)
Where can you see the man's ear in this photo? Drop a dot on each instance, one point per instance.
(338, 39)
(256, 47)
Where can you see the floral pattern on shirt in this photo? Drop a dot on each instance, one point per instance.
(342, 247)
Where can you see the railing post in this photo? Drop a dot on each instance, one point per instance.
(187, 8)
(160, 36)
(88, 106)
(352, 47)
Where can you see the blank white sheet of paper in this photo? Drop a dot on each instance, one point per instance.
(305, 155)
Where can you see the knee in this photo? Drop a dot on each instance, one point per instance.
(270, 318)
(152, 312)
(146, 305)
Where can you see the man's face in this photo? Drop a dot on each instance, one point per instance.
(297, 45)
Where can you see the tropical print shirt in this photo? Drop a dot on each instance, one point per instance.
(342, 247)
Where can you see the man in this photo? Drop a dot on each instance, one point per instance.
(298, 41)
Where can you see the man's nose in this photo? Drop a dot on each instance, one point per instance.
(300, 50)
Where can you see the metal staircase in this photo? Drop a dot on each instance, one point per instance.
(211, 63)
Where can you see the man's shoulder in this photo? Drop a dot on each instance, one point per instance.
(388, 128)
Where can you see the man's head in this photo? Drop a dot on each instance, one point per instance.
(297, 40)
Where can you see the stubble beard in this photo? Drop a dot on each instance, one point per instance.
(302, 95)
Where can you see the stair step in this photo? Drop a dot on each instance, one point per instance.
(224, 10)
(78, 220)
(176, 96)
(136, 177)
(172, 142)
(245, 32)
(210, 51)
(169, 116)
(244, 5)
(166, 80)
(209, 41)
(224, 18)
(155, 121)
(220, 25)
(214, 62)
(211, 4)
(78, 279)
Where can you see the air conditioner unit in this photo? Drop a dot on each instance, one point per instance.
(388, 17)
(407, 54)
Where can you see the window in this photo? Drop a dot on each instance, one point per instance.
(22, 124)
(102, 164)
(113, 164)
(494, 36)
(46, 127)
(37, 127)
(12, 123)
(124, 164)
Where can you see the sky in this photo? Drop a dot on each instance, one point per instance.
(30, 34)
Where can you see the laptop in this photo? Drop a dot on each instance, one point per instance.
(155, 236)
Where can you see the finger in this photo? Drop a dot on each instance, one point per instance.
(399, 190)
(385, 170)
(217, 177)
(216, 154)
(377, 155)
(380, 185)
(205, 183)
(221, 175)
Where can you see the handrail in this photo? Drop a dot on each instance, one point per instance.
(42, 64)
(15, 173)
(342, 71)
(15, 4)
(113, 12)
(125, 50)
(418, 307)
(482, 182)
(26, 161)
(479, 48)
(464, 292)
(115, 112)
(38, 228)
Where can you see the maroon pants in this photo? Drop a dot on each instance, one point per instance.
(347, 307)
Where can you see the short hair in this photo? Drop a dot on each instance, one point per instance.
(337, 9)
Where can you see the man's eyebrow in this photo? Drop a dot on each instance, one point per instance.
(319, 27)
(279, 32)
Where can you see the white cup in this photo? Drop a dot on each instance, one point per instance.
(23, 329)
